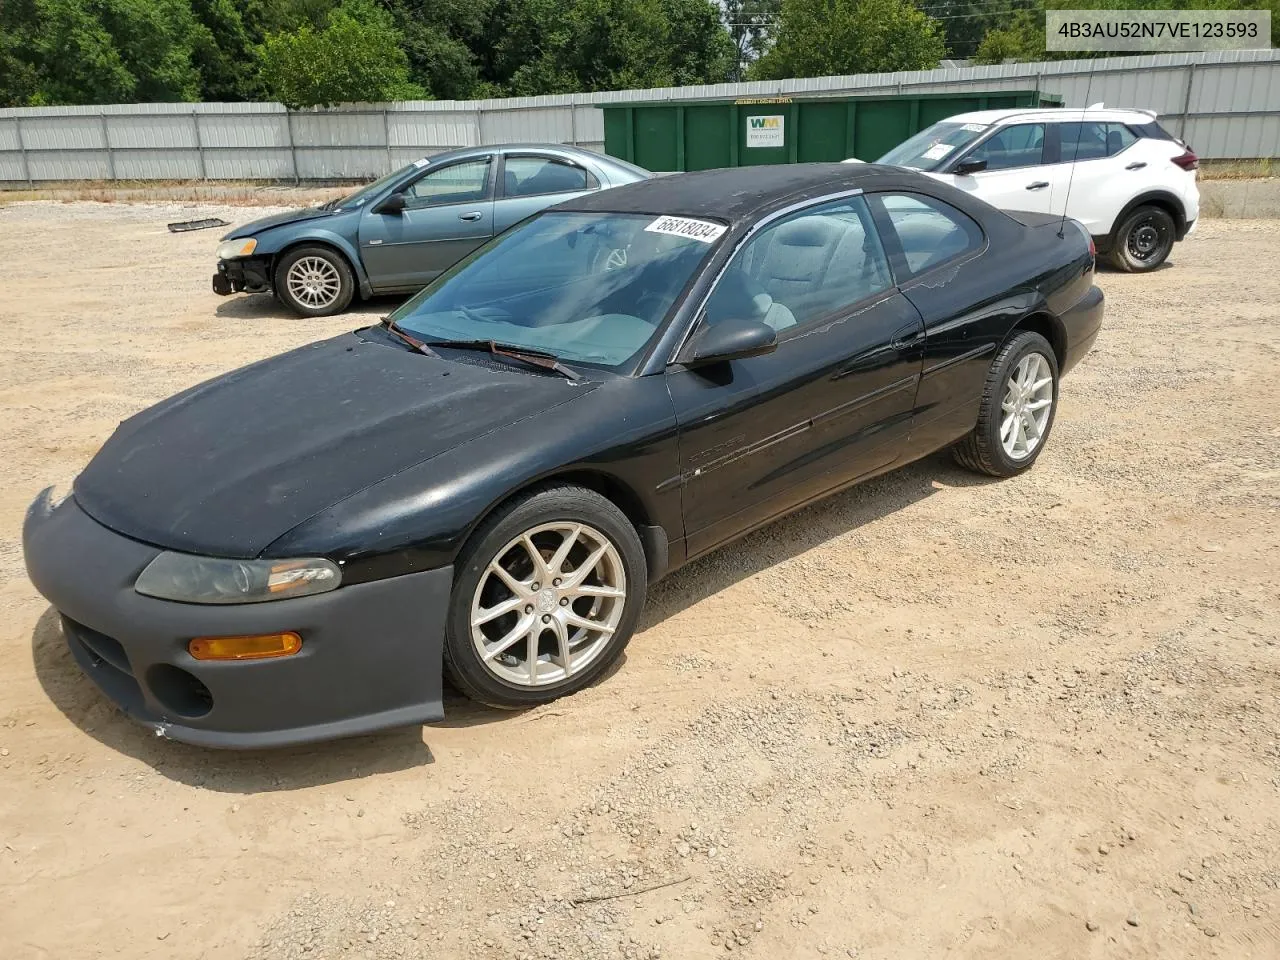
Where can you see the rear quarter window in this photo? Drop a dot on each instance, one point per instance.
(1152, 131)
(929, 231)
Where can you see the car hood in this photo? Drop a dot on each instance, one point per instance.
(231, 465)
(254, 227)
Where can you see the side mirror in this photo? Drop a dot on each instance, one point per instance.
(965, 167)
(393, 204)
(729, 340)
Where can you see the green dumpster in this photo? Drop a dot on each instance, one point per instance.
(705, 134)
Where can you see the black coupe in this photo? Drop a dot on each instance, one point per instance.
(485, 484)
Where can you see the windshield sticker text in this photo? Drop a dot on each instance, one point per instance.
(938, 151)
(699, 230)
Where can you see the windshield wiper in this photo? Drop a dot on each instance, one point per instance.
(536, 358)
(396, 330)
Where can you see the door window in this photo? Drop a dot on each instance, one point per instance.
(1119, 137)
(531, 176)
(804, 268)
(1021, 145)
(1083, 141)
(929, 231)
(464, 182)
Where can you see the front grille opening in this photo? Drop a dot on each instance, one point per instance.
(104, 650)
(179, 691)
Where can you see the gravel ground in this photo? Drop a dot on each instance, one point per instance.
(935, 715)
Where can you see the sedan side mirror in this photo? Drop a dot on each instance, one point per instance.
(729, 340)
(965, 167)
(393, 204)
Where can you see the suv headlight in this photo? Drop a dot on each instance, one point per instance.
(230, 249)
(191, 579)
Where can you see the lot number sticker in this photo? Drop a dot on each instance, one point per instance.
(938, 151)
(765, 131)
(699, 230)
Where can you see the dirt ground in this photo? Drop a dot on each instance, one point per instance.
(933, 716)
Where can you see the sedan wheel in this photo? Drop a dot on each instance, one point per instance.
(548, 603)
(1028, 402)
(1018, 404)
(315, 281)
(546, 595)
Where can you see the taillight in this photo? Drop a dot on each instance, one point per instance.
(1093, 248)
(1187, 161)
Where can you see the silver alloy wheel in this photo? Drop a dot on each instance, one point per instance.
(314, 282)
(548, 603)
(1028, 401)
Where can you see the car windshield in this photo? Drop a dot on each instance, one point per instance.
(369, 189)
(586, 287)
(931, 147)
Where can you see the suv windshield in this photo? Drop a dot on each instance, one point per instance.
(586, 287)
(931, 147)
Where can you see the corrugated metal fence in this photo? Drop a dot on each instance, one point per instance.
(1226, 104)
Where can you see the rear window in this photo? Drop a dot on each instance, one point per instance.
(1152, 131)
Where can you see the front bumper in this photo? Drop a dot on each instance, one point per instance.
(242, 275)
(370, 657)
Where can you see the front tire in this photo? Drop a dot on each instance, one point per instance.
(1018, 405)
(314, 281)
(546, 595)
(1143, 240)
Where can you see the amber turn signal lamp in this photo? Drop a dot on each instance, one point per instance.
(257, 647)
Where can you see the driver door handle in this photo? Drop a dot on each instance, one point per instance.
(1136, 165)
(1038, 185)
(470, 217)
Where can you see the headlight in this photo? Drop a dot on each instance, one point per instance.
(230, 249)
(191, 579)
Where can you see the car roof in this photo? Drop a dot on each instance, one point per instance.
(1061, 114)
(741, 193)
(562, 149)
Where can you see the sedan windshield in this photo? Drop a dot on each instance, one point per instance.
(933, 146)
(585, 287)
(369, 189)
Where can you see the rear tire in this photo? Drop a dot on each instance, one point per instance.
(314, 281)
(523, 631)
(1019, 401)
(1143, 240)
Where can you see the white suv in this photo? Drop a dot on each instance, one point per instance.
(1132, 185)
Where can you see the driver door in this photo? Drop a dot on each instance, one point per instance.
(1020, 173)
(448, 212)
(762, 435)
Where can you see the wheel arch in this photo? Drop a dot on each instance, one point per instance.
(1049, 327)
(653, 537)
(1164, 199)
(332, 242)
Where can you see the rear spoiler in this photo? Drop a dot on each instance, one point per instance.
(1102, 106)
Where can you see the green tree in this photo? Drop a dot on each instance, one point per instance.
(564, 46)
(751, 26)
(439, 37)
(1021, 39)
(356, 57)
(109, 51)
(831, 37)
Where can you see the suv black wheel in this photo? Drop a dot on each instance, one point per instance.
(1143, 240)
